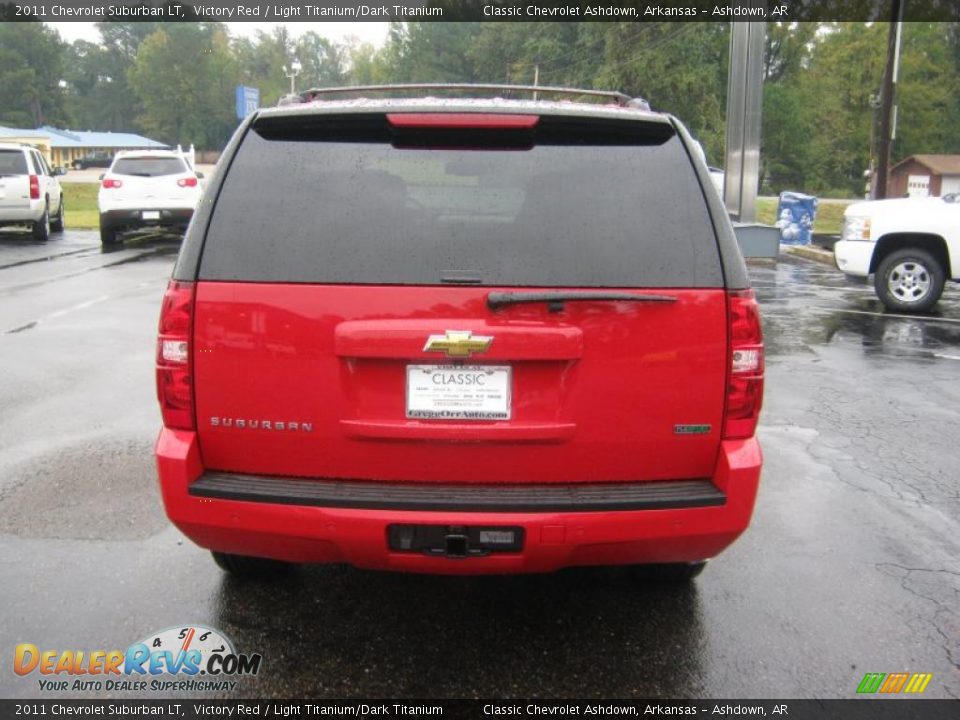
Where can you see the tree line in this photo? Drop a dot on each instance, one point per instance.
(175, 81)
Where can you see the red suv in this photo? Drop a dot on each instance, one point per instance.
(463, 335)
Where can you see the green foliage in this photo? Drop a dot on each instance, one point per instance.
(431, 52)
(90, 93)
(323, 61)
(185, 75)
(680, 68)
(929, 92)
(842, 82)
(366, 65)
(31, 66)
(260, 63)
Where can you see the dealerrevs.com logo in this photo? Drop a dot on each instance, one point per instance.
(189, 658)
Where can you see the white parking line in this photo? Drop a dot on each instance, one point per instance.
(888, 315)
(78, 306)
(947, 357)
(58, 314)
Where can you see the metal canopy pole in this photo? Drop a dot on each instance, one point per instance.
(744, 104)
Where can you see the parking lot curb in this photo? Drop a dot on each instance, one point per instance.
(809, 252)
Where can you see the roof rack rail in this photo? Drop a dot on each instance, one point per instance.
(317, 93)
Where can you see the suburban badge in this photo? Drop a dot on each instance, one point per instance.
(691, 429)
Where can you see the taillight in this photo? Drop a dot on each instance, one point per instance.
(109, 183)
(460, 121)
(34, 187)
(745, 373)
(174, 371)
(187, 182)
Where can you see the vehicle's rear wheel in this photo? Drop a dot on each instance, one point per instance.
(57, 223)
(909, 280)
(247, 566)
(41, 228)
(108, 236)
(671, 572)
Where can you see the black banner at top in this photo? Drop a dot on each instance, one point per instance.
(475, 10)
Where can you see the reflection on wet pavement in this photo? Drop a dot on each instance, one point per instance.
(807, 305)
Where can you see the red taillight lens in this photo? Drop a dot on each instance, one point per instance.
(187, 182)
(109, 183)
(460, 121)
(174, 371)
(34, 187)
(745, 374)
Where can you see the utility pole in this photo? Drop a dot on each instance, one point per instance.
(887, 99)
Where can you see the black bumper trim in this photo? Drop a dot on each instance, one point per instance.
(169, 217)
(581, 497)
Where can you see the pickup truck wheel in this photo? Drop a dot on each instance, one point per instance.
(909, 280)
(246, 566)
(57, 223)
(41, 228)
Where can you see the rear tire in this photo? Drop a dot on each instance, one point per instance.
(247, 566)
(41, 228)
(57, 224)
(108, 236)
(909, 280)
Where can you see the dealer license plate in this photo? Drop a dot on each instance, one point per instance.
(151, 214)
(458, 392)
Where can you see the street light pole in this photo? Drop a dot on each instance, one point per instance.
(292, 73)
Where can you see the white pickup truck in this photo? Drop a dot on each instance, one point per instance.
(910, 245)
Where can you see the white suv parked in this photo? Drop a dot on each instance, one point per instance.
(30, 193)
(147, 188)
(910, 245)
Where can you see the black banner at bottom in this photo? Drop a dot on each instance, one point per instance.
(852, 709)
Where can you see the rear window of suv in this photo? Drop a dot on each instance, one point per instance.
(565, 204)
(148, 166)
(13, 162)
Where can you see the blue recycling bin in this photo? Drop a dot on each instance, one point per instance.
(795, 215)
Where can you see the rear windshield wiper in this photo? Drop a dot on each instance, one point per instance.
(556, 299)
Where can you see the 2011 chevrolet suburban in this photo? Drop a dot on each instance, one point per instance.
(460, 335)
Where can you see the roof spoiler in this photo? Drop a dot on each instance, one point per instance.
(416, 89)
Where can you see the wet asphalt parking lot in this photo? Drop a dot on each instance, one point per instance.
(852, 564)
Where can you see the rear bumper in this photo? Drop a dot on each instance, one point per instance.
(133, 218)
(696, 524)
(22, 215)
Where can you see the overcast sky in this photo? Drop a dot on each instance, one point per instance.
(372, 32)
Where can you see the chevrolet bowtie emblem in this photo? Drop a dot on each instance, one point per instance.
(458, 343)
